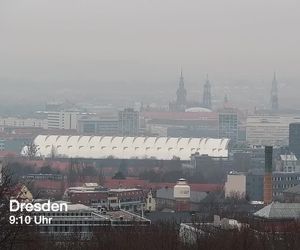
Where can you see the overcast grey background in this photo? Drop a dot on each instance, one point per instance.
(116, 50)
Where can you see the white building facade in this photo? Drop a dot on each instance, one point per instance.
(62, 119)
(269, 130)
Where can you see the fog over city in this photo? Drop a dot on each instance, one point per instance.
(167, 122)
(116, 51)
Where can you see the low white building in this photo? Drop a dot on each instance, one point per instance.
(118, 147)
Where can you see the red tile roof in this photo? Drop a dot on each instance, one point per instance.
(4, 154)
(135, 182)
(50, 184)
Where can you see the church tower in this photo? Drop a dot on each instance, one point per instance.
(274, 95)
(181, 94)
(207, 94)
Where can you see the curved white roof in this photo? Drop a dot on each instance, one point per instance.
(101, 147)
(198, 109)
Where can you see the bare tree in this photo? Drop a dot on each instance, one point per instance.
(31, 150)
(12, 235)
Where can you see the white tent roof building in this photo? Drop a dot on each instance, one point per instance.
(101, 147)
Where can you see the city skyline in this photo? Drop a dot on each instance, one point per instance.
(104, 47)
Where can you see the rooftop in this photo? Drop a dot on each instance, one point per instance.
(124, 189)
(117, 147)
(293, 190)
(168, 193)
(278, 210)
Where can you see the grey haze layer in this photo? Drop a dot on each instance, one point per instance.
(115, 50)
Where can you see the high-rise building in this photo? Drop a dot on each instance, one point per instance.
(228, 125)
(129, 122)
(294, 138)
(274, 95)
(207, 94)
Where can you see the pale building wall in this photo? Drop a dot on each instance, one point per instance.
(269, 130)
(62, 119)
(235, 185)
(20, 122)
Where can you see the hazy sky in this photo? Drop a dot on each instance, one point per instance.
(109, 43)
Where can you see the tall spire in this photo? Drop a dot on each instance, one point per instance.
(181, 80)
(274, 94)
(181, 93)
(207, 94)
